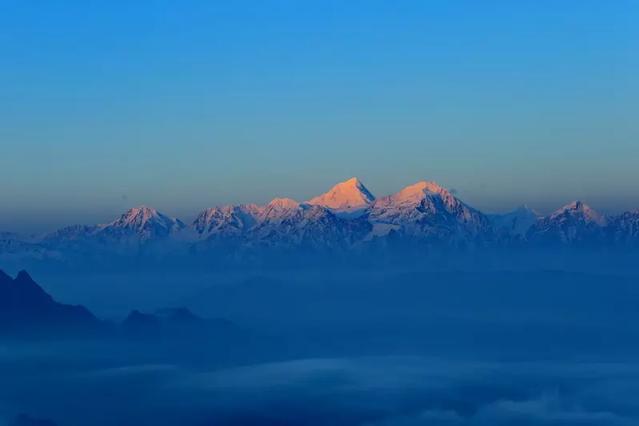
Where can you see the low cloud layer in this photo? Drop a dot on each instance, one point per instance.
(384, 391)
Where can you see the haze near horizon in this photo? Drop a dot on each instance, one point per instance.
(182, 108)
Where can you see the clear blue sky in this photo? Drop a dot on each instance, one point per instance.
(184, 105)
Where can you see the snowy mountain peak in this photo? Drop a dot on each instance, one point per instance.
(283, 204)
(146, 221)
(347, 215)
(426, 210)
(278, 208)
(574, 223)
(226, 219)
(416, 192)
(580, 209)
(345, 196)
(140, 214)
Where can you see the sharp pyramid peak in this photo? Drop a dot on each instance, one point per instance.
(352, 182)
(350, 194)
(355, 184)
(140, 216)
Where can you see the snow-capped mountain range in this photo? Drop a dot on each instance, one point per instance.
(347, 216)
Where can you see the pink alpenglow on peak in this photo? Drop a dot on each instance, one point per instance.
(346, 196)
(138, 215)
(140, 223)
(425, 208)
(416, 192)
(283, 204)
(227, 220)
(278, 208)
(138, 218)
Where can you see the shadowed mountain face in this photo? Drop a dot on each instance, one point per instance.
(162, 320)
(27, 310)
(516, 222)
(25, 305)
(624, 229)
(575, 223)
(177, 324)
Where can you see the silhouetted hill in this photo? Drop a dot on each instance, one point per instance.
(173, 322)
(25, 306)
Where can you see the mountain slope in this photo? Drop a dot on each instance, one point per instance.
(226, 221)
(574, 224)
(14, 248)
(623, 230)
(135, 228)
(142, 222)
(25, 305)
(307, 226)
(427, 211)
(345, 197)
(516, 222)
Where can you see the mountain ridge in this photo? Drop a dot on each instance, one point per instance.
(423, 211)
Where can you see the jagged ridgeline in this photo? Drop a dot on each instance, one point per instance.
(423, 218)
(27, 310)
(25, 307)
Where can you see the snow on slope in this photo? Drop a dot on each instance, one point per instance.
(624, 228)
(144, 223)
(137, 225)
(516, 222)
(426, 210)
(226, 221)
(573, 223)
(345, 197)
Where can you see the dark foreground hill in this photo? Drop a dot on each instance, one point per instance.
(26, 307)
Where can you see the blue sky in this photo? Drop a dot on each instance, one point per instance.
(185, 105)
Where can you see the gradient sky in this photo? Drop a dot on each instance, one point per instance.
(185, 105)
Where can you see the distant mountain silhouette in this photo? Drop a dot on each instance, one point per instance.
(24, 305)
(26, 311)
(176, 322)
